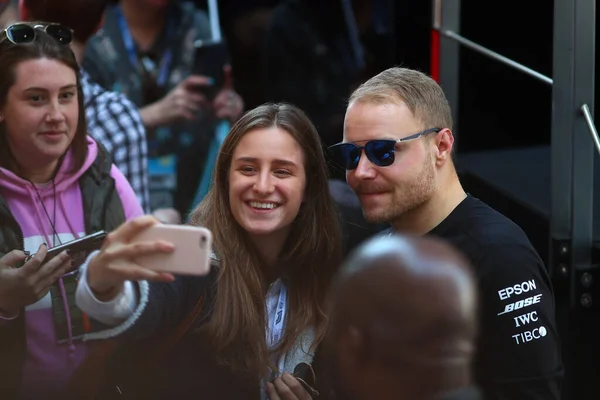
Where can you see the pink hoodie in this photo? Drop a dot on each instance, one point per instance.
(49, 365)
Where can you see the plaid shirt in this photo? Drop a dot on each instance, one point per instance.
(115, 122)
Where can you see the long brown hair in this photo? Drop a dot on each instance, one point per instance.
(44, 46)
(310, 257)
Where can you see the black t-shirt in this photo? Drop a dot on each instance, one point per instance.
(518, 353)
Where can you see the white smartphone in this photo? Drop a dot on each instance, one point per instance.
(191, 256)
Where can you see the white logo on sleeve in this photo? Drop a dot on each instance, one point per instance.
(517, 289)
(526, 319)
(521, 304)
(528, 336)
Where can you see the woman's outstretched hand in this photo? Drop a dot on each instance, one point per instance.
(114, 264)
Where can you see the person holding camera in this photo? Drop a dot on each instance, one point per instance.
(147, 49)
(250, 329)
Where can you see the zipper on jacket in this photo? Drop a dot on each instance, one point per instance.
(12, 221)
(22, 236)
(22, 240)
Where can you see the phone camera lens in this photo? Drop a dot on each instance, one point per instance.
(202, 241)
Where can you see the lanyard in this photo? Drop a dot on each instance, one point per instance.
(165, 62)
(276, 329)
(222, 130)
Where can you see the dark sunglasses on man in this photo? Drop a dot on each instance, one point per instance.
(22, 33)
(380, 152)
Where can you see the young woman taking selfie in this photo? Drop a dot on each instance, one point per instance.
(259, 313)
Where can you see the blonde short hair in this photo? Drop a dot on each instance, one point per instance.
(423, 96)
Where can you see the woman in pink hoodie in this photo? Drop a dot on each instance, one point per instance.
(56, 184)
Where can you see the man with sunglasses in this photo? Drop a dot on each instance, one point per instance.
(112, 119)
(397, 152)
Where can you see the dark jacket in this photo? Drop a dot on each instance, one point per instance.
(189, 369)
(103, 211)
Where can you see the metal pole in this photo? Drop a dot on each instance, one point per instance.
(561, 150)
(584, 277)
(583, 150)
(561, 168)
(447, 13)
(572, 147)
(590, 123)
(498, 57)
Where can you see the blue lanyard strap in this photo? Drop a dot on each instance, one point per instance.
(165, 62)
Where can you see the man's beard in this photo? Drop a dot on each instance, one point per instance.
(412, 194)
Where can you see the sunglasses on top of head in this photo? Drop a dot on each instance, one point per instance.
(22, 33)
(380, 152)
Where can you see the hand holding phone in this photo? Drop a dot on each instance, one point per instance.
(144, 249)
(115, 263)
(210, 59)
(183, 102)
(228, 104)
(79, 248)
(192, 247)
(20, 287)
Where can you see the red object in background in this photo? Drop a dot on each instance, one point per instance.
(87, 327)
(434, 66)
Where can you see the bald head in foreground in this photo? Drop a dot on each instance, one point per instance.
(403, 322)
